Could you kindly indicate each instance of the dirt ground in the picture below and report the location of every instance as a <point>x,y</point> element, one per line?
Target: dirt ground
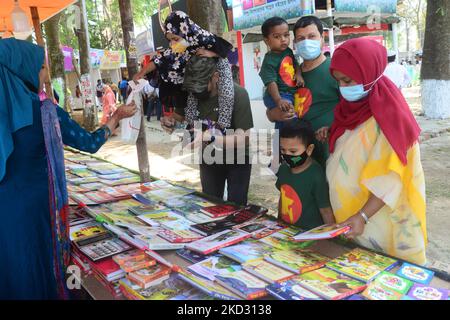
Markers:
<point>435,159</point>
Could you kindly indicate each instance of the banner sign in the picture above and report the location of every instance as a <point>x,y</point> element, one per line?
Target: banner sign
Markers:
<point>367,6</point>
<point>251,13</point>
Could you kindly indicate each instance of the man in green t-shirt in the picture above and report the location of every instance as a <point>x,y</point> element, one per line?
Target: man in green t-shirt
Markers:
<point>225,156</point>
<point>321,93</point>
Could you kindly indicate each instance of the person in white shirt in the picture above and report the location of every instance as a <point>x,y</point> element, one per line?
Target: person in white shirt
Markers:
<point>152,95</point>
<point>396,72</point>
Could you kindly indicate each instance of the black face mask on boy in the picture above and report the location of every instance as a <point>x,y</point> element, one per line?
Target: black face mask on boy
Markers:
<point>295,161</point>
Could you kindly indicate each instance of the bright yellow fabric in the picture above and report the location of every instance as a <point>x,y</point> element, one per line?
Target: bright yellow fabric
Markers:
<point>364,162</point>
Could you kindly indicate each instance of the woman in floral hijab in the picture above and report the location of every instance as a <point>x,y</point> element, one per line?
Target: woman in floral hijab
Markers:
<point>188,39</point>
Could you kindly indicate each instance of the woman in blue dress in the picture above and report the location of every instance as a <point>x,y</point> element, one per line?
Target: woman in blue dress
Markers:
<point>34,246</point>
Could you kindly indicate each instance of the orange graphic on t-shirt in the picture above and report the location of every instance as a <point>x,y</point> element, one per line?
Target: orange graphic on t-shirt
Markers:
<point>291,206</point>
<point>287,71</point>
<point>302,101</point>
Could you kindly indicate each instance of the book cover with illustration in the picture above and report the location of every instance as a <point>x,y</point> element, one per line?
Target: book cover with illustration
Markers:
<point>266,271</point>
<point>191,256</point>
<point>246,251</point>
<point>171,289</point>
<point>297,261</point>
<point>213,266</point>
<point>282,240</point>
<point>147,276</point>
<point>154,242</point>
<point>179,236</point>
<point>132,266</point>
<point>243,284</point>
<point>424,292</point>
<point>124,217</point>
<point>291,290</point>
<point>217,241</point>
<point>210,288</point>
<point>387,286</point>
<point>321,233</point>
<point>156,218</point>
<point>86,230</point>
<point>330,284</point>
<point>132,255</point>
<point>361,264</point>
<point>415,273</point>
<point>261,227</point>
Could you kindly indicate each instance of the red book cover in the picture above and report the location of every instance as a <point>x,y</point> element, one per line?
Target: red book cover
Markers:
<point>106,267</point>
<point>219,211</point>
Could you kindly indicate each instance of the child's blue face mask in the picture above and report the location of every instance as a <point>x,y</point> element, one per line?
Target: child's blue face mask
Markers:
<point>308,49</point>
<point>356,92</point>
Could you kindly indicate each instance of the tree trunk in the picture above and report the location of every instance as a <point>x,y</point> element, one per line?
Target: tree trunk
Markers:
<point>90,118</point>
<point>435,72</point>
<point>126,17</point>
<point>56,59</point>
<point>207,14</point>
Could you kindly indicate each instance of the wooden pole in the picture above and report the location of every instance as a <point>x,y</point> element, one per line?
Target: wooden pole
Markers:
<point>40,41</point>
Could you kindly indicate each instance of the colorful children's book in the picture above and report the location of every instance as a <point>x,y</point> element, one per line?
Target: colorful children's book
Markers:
<point>99,197</point>
<point>218,211</point>
<point>118,217</point>
<point>423,292</point>
<point>86,231</point>
<point>290,290</point>
<point>266,271</point>
<point>415,273</point>
<point>261,227</point>
<point>191,256</point>
<point>211,288</point>
<point>116,193</point>
<point>132,255</point>
<point>149,276</point>
<point>246,251</point>
<point>321,233</point>
<point>156,218</point>
<point>116,176</point>
<point>171,289</point>
<point>81,199</point>
<point>387,286</point>
<point>217,241</point>
<point>213,266</point>
<point>297,261</point>
<point>228,222</point>
<point>329,284</point>
<point>355,297</point>
<point>243,284</point>
<point>282,240</point>
<point>361,264</point>
<point>179,236</point>
<point>78,181</point>
<point>134,266</point>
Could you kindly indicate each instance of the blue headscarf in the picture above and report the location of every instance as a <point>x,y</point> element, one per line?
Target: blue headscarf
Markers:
<point>20,64</point>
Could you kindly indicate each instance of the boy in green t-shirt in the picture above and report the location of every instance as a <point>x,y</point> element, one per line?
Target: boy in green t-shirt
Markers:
<point>279,69</point>
<point>304,199</point>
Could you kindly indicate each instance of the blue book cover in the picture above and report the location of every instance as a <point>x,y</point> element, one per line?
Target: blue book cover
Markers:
<point>191,256</point>
<point>415,273</point>
<point>355,297</point>
<point>290,290</point>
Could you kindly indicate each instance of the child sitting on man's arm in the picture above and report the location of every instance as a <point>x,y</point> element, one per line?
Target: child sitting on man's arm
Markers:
<point>304,198</point>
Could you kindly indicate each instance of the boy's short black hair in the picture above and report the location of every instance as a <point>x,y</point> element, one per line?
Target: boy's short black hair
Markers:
<point>391,58</point>
<point>267,26</point>
<point>303,22</point>
<point>298,128</point>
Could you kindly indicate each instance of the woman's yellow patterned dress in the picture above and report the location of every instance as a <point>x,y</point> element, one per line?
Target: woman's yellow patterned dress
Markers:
<point>363,162</point>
